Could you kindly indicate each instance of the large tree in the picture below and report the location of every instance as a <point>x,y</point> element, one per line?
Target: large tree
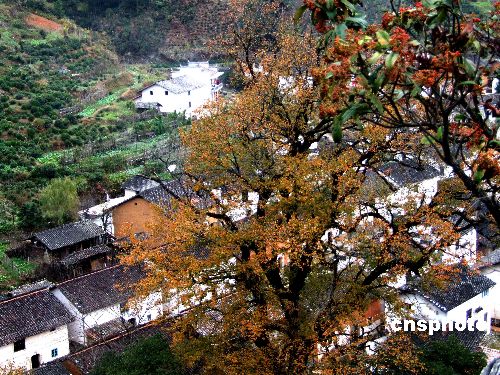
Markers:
<point>59,200</point>
<point>297,275</point>
<point>423,71</point>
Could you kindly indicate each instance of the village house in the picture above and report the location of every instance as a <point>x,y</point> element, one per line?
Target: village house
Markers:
<point>187,91</point>
<point>90,259</point>
<point>138,208</point>
<point>33,330</point>
<point>57,243</point>
<point>470,298</point>
<point>489,266</point>
<point>101,303</point>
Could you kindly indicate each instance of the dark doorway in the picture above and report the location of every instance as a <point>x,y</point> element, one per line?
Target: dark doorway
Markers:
<point>35,361</point>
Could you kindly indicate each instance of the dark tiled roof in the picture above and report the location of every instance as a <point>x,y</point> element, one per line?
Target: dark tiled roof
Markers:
<point>69,234</point>
<point>102,288</point>
<point>139,183</point>
<point>56,368</point>
<point>491,259</point>
<point>161,195</point>
<point>468,285</point>
<point>409,172</point>
<point>78,256</point>
<point>29,315</point>
<point>470,339</point>
<point>28,288</point>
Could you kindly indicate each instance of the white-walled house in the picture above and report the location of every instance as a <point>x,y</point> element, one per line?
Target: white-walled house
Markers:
<point>33,330</point>
<point>469,298</point>
<point>101,304</point>
<point>188,90</point>
<point>489,266</point>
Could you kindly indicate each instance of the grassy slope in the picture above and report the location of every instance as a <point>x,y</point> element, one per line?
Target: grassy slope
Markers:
<point>43,71</point>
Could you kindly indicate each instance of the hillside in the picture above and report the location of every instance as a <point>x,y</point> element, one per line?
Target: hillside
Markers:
<point>65,110</point>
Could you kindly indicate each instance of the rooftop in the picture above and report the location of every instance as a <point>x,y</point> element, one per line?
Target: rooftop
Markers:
<point>468,285</point>
<point>29,315</point>
<point>78,256</point>
<point>101,289</point>
<point>139,183</point>
<point>409,171</point>
<point>101,209</point>
<point>491,259</point>
<point>69,234</point>
<point>181,84</point>
<point>28,288</point>
<point>54,368</point>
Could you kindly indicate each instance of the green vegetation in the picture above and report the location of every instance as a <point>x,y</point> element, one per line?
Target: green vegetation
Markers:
<point>66,112</point>
<point>450,357</point>
<point>89,111</point>
<point>12,270</point>
<point>59,200</point>
<point>148,356</point>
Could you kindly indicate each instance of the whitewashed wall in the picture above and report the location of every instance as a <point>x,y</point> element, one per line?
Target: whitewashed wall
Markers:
<point>493,273</point>
<point>145,310</point>
<point>423,309</point>
<point>41,344</point>
<point>177,102</point>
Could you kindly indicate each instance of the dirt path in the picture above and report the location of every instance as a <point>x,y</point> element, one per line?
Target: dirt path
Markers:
<point>42,23</point>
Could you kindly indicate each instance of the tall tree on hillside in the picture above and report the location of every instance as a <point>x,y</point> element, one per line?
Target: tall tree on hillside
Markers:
<point>295,278</point>
<point>59,200</point>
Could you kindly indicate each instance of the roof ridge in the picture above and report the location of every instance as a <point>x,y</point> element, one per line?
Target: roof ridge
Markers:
<point>25,295</point>
<point>87,275</point>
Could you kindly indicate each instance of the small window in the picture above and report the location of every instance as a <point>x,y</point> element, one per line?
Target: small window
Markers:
<point>189,104</point>
<point>19,345</point>
<point>485,293</point>
<point>166,92</point>
<point>478,309</point>
<point>150,92</point>
<point>149,317</point>
<point>189,92</point>
<point>244,196</point>
<point>53,353</point>
<point>468,314</point>
<point>486,317</point>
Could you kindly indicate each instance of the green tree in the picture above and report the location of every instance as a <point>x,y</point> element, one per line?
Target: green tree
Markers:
<point>30,215</point>
<point>148,356</point>
<point>59,200</point>
<point>451,357</point>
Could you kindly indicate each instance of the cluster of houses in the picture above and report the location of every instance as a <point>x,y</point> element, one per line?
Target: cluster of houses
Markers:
<point>43,322</point>
<point>188,89</point>
<point>46,321</point>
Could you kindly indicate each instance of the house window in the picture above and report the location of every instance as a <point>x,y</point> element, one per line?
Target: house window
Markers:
<point>19,345</point>
<point>244,196</point>
<point>150,92</point>
<point>189,104</point>
<point>478,309</point>
<point>485,293</point>
<point>468,314</point>
<point>189,92</point>
<point>486,317</point>
<point>53,353</point>
<point>149,317</point>
<point>166,92</point>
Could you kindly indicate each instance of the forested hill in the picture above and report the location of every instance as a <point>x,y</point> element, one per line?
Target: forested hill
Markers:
<point>145,29</point>
<point>170,29</point>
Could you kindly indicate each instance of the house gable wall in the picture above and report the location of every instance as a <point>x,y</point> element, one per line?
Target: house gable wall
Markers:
<point>133,216</point>
<point>41,344</point>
